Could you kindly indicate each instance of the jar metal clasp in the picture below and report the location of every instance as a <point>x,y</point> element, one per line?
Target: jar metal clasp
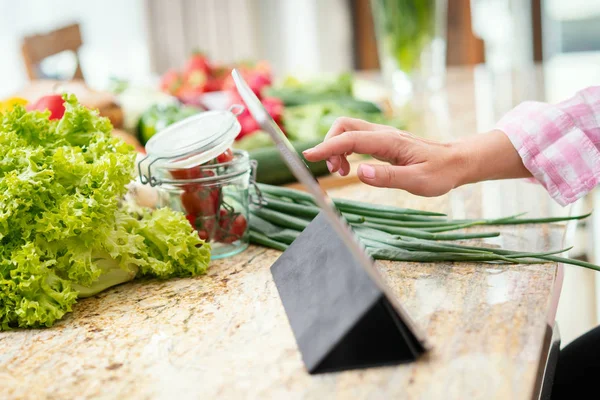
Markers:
<point>257,198</point>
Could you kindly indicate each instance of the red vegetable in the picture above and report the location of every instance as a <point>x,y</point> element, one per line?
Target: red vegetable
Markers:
<point>232,226</point>
<point>53,103</point>
<point>274,107</point>
<point>248,123</point>
<point>197,62</point>
<point>202,201</point>
<point>216,80</point>
<point>206,227</point>
<point>196,82</point>
<point>191,219</point>
<point>171,81</point>
<point>256,82</point>
<point>191,173</point>
<point>225,156</point>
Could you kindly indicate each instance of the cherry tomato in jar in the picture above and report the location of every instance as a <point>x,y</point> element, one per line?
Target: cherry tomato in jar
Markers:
<point>191,173</point>
<point>225,156</point>
<point>232,226</point>
<point>206,227</point>
<point>202,201</point>
<point>191,219</point>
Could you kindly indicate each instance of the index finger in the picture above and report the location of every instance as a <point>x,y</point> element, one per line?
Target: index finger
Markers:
<point>347,124</point>
<point>372,143</point>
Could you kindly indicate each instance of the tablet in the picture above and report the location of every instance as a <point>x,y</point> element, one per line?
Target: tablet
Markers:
<point>328,209</point>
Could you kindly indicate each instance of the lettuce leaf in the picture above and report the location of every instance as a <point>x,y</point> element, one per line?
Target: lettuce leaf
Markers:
<point>63,231</point>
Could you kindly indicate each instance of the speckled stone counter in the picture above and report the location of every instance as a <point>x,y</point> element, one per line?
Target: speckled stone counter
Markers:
<point>225,335</point>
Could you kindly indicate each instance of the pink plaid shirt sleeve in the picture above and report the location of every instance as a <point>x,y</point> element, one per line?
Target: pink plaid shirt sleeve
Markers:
<point>560,143</point>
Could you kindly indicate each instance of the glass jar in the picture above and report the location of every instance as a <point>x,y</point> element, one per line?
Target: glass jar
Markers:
<point>195,171</point>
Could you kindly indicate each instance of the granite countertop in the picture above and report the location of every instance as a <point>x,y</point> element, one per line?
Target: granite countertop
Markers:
<point>226,335</point>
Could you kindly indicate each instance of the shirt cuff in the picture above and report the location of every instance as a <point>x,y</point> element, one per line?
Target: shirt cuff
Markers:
<point>558,153</point>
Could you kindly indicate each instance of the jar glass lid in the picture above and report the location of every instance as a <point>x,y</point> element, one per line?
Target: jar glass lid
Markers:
<point>189,143</point>
<point>198,134</point>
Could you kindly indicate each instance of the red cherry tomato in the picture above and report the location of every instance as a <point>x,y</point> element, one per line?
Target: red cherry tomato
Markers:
<point>225,156</point>
<point>232,226</point>
<point>191,173</point>
<point>202,202</point>
<point>189,202</point>
<point>238,228</point>
<point>191,219</point>
<point>207,227</point>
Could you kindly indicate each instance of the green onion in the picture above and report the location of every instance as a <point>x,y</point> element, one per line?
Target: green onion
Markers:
<point>394,233</point>
<point>280,219</point>
<point>277,233</point>
<point>260,239</point>
<point>303,210</point>
<point>350,206</point>
<point>421,234</point>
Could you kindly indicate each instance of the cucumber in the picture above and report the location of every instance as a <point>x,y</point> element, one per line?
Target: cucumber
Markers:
<point>292,98</point>
<point>272,169</point>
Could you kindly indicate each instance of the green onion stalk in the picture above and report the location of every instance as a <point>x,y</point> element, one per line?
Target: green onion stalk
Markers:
<point>397,234</point>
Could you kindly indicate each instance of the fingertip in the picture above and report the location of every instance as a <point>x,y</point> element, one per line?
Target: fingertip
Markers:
<point>335,163</point>
<point>366,171</point>
<point>310,154</point>
<point>344,167</point>
<point>329,166</point>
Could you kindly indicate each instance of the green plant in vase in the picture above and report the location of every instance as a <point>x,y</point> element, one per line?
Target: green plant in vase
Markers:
<point>406,35</point>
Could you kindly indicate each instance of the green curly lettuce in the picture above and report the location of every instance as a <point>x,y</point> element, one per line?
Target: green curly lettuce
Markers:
<point>63,232</point>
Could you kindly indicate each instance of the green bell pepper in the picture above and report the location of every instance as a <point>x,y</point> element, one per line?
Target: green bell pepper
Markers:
<point>159,116</point>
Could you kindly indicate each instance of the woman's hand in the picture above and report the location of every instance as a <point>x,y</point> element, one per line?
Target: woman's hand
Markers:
<point>419,166</point>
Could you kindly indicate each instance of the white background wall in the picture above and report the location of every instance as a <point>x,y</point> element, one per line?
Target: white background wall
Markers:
<point>120,39</point>
<point>113,31</point>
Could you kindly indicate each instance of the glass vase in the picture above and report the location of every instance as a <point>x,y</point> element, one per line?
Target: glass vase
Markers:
<point>411,41</point>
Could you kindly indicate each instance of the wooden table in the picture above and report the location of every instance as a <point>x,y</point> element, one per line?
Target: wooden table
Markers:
<point>226,336</point>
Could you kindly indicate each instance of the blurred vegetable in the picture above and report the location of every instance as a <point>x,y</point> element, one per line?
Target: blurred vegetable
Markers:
<point>159,116</point>
<point>273,106</point>
<point>295,92</point>
<point>200,76</point>
<point>9,104</point>
<point>196,62</point>
<point>135,100</point>
<point>312,121</point>
<point>256,140</point>
<point>53,103</point>
<point>257,75</point>
<point>273,170</point>
<point>171,82</point>
<point>338,86</point>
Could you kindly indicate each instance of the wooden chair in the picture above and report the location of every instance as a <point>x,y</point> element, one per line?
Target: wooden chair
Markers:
<point>38,47</point>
